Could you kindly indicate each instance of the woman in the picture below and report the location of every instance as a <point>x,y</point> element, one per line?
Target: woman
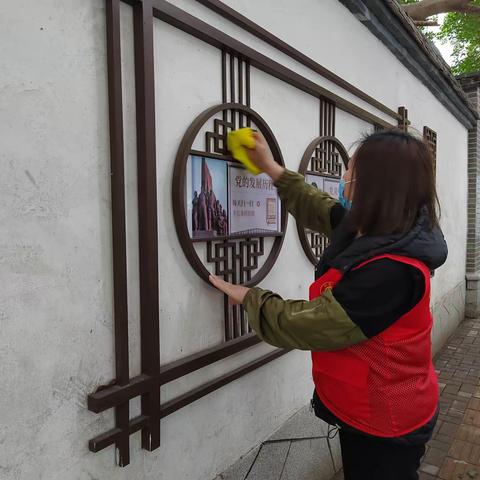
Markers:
<point>368,319</point>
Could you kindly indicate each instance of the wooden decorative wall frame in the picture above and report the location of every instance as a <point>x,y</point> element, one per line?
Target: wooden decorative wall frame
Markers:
<point>235,109</point>
<point>430,137</point>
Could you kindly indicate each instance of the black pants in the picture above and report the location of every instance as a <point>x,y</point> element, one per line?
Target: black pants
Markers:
<point>366,458</point>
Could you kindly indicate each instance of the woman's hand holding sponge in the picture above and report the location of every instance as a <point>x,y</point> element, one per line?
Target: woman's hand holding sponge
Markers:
<point>237,142</point>
<point>251,149</point>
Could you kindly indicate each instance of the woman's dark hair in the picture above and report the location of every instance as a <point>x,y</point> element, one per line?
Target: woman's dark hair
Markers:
<point>394,180</point>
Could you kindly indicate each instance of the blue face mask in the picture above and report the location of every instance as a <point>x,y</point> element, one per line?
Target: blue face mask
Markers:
<point>347,204</point>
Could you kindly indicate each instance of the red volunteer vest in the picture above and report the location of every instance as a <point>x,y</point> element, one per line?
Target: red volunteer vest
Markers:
<point>385,386</point>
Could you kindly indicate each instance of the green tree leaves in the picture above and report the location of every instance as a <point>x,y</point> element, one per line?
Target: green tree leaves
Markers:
<point>462,31</point>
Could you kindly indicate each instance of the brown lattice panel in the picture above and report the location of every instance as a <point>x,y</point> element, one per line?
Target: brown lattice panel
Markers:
<point>403,121</point>
<point>430,137</point>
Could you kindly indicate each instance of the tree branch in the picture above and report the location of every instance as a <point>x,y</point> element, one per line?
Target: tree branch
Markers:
<point>420,11</point>
<point>426,23</point>
<point>473,9</point>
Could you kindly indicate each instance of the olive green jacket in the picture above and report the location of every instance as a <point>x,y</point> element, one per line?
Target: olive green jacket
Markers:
<point>321,324</point>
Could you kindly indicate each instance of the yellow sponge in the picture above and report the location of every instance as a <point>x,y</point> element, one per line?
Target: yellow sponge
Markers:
<point>237,141</point>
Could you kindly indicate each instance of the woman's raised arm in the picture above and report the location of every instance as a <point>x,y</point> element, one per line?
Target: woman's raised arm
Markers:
<point>310,207</point>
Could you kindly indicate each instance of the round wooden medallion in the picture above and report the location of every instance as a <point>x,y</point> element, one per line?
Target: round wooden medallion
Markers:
<point>234,257</point>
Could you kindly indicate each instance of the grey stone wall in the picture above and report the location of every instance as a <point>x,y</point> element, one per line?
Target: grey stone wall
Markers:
<point>471,85</point>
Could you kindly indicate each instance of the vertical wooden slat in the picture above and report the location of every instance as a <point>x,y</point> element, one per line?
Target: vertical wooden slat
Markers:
<point>240,80</point>
<point>236,275</point>
<point>240,89</point>
<point>247,89</point>
<point>321,117</point>
<point>247,82</point>
<point>244,276</point>
<point>224,85</point>
<point>230,277</point>
<point>147,216</point>
<point>120,302</point>
<point>403,122</point>
<point>232,78</point>
<point>232,89</point>
<point>329,117</point>
<point>224,77</point>
<point>332,110</point>
<point>326,126</point>
<point>430,137</point>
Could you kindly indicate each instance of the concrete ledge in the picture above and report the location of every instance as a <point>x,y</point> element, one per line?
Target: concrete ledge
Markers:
<point>298,450</point>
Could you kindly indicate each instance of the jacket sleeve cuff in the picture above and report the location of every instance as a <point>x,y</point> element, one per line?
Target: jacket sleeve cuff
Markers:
<point>286,180</point>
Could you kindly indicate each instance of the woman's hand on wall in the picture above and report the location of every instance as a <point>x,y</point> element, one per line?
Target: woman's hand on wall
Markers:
<point>262,157</point>
<point>236,293</point>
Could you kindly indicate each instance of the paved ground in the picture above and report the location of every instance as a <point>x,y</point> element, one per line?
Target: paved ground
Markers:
<point>454,451</point>
<point>298,450</point>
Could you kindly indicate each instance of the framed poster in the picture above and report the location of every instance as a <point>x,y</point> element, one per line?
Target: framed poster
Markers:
<point>224,199</point>
<point>326,184</point>
<point>330,185</point>
<point>207,197</point>
<point>315,181</point>
<point>254,206</point>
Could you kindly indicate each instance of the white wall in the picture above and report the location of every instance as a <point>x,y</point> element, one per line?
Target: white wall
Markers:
<point>56,302</point>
